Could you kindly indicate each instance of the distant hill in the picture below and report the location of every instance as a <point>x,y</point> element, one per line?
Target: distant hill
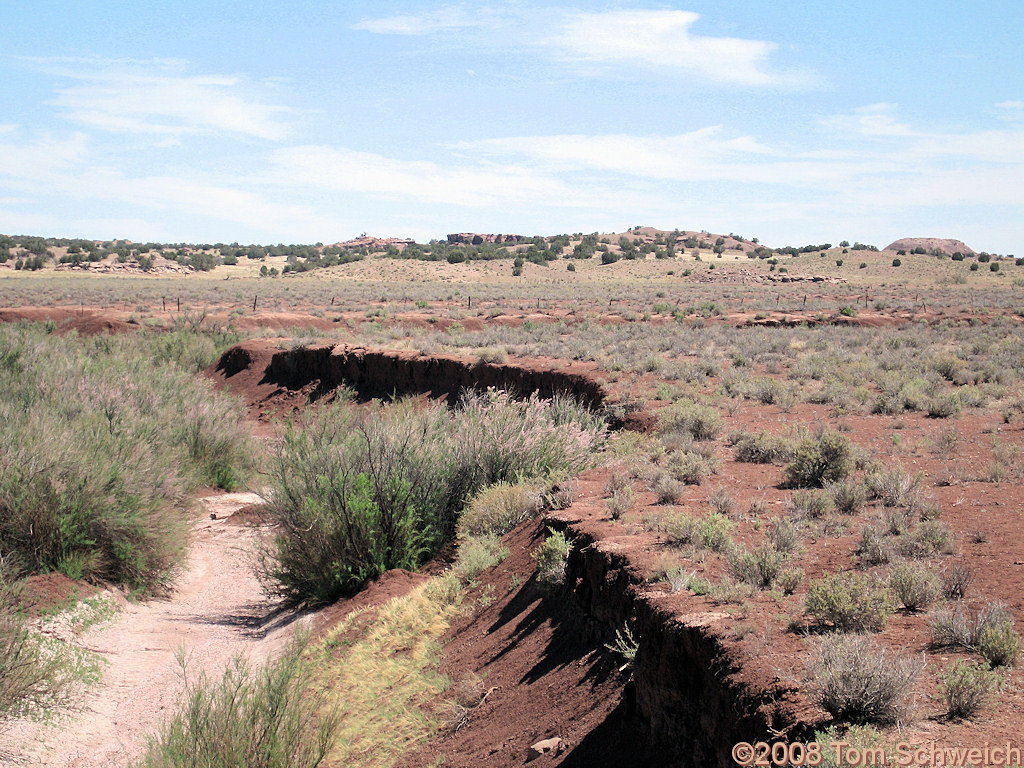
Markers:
<point>930,245</point>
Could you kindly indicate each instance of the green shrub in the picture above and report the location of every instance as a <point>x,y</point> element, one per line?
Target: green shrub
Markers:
<point>805,505</point>
<point>499,508</point>
<point>944,406</point>
<point>849,602</point>
<point>357,492</point>
<point>550,558</point>
<point>857,680</point>
<point>102,439</point>
<point>269,717</point>
<point>689,467</point>
<point>968,688</point>
<point>827,458</point>
<point>710,532</point>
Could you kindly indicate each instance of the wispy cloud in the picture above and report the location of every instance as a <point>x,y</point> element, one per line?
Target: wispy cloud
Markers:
<point>473,184</point>
<point>443,19</point>
<point>663,39</point>
<point>871,120</point>
<point>160,97</point>
<point>606,43</point>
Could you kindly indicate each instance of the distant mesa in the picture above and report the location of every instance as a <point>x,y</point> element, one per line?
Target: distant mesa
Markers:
<point>947,245</point>
<point>472,238</point>
<point>376,243</point>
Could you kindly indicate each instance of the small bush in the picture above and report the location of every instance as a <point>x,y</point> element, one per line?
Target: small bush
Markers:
<point>944,406</point>
<point>689,467</point>
<point>759,568</point>
<point>927,539</point>
<point>550,558</point>
<point>809,505</point>
<point>914,584</point>
<point>827,458</point>
<point>621,501</point>
<point>789,580</point>
<point>859,681</point>
<point>763,448</point>
<point>700,421</point>
<point>956,581</point>
<point>848,495</point>
<point>476,555</point>
<point>895,488</point>
<point>499,508</point>
<point>968,688</point>
<point>849,602</point>
<point>784,535</point>
<point>710,532</point>
<point>874,548</point>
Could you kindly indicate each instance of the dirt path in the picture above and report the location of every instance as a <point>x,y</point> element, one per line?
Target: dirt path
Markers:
<point>216,611</point>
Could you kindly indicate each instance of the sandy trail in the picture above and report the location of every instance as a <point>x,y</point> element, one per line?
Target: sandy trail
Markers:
<point>215,612</point>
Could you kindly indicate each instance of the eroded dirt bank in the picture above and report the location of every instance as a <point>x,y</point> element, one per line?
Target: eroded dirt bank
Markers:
<point>274,381</point>
<point>215,611</point>
<point>545,664</point>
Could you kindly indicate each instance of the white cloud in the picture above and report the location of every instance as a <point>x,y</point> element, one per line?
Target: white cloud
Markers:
<point>475,185</point>
<point>159,97</point>
<point>663,40</point>
<point>442,20</point>
<point>871,120</point>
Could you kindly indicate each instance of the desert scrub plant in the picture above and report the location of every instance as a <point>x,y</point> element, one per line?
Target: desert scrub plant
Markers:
<point>476,555</point>
<point>759,568</point>
<point>621,501</point>
<point>848,495</point>
<point>857,680</point>
<point>357,492</point>
<point>762,448</point>
<point>826,458</point>
<point>849,602</point>
<point>915,585</point>
<point>956,581</point>
<point>700,421</point>
<point>551,557</point>
<point>709,532</point>
<point>270,717</point>
<point>99,450</point>
<point>689,468</point>
<point>988,631</point>
<point>968,688</point>
<point>895,488</point>
<point>497,509</point>
<point>808,505</point>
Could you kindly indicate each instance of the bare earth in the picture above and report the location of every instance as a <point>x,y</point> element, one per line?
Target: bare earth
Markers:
<point>215,612</point>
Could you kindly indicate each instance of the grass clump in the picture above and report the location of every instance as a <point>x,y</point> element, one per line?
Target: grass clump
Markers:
<point>827,458</point>
<point>968,688</point>
<point>499,508</point>
<point>849,602</point>
<point>256,718</point>
<point>708,532</point>
<point>857,680</point>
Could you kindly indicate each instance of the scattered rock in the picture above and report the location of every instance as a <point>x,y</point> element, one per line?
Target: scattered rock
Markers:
<point>552,746</point>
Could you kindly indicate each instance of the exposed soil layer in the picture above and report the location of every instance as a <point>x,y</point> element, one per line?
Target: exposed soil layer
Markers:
<point>274,381</point>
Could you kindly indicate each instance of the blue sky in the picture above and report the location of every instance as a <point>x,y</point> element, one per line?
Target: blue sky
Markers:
<point>795,122</point>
